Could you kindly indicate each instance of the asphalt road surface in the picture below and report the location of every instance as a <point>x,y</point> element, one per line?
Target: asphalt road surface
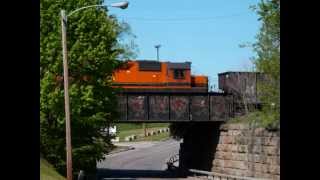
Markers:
<point>146,161</point>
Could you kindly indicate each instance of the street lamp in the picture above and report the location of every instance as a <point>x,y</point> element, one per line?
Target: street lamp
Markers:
<point>122,5</point>
<point>157,47</point>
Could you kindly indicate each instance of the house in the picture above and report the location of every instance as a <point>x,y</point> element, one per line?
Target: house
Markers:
<point>111,130</point>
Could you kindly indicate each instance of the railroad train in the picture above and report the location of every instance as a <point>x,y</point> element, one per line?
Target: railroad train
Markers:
<point>156,76</point>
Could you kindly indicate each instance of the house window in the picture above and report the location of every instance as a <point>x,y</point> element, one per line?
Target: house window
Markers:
<point>178,73</point>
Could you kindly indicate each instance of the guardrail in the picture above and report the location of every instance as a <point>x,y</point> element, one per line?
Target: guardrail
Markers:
<point>225,176</point>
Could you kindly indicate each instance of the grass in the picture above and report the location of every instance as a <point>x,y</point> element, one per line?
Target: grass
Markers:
<point>47,171</point>
<point>125,129</point>
<point>123,134</point>
<point>259,118</point>
<point>133,126</point>
<point>248,118</point>
<point>158,137</point>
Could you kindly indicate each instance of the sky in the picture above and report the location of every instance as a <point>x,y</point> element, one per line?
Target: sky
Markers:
<point>206,32</point>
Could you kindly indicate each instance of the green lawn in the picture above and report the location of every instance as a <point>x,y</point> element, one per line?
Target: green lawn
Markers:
<point>131,126</point>
<point>158,137</point>
<point>47,172</point>
<point>127,129</point>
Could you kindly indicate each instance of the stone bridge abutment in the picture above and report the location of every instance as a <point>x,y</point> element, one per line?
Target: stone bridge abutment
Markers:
<point>232,149</point>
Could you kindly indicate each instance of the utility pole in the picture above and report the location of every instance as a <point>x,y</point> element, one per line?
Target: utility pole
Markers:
<point>121,5</point>
<point>66,93</point>
<point>157,47</point>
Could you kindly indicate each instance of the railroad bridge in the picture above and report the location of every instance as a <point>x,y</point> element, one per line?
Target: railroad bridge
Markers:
<point>169,107</point>
<point>154,105</point>
<point>198,148</point>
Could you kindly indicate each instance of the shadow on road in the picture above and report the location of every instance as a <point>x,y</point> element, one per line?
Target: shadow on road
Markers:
<point>133,174</point>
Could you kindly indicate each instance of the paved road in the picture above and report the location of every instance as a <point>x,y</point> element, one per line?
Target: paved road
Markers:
<point>146,161</point>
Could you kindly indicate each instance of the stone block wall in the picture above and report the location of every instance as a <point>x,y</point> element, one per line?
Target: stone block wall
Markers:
<point>247,151</point>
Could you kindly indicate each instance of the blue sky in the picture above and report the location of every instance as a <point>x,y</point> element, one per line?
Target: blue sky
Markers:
<point>205,32</point>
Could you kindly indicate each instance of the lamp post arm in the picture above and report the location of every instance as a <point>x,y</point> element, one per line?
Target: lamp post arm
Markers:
<point>85,8</point>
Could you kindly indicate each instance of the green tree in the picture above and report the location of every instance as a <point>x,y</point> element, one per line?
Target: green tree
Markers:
<point>267,60</point>
<point>96,41</point>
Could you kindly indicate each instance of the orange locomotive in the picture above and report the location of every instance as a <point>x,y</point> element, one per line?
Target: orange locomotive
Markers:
<point>158,76</point>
